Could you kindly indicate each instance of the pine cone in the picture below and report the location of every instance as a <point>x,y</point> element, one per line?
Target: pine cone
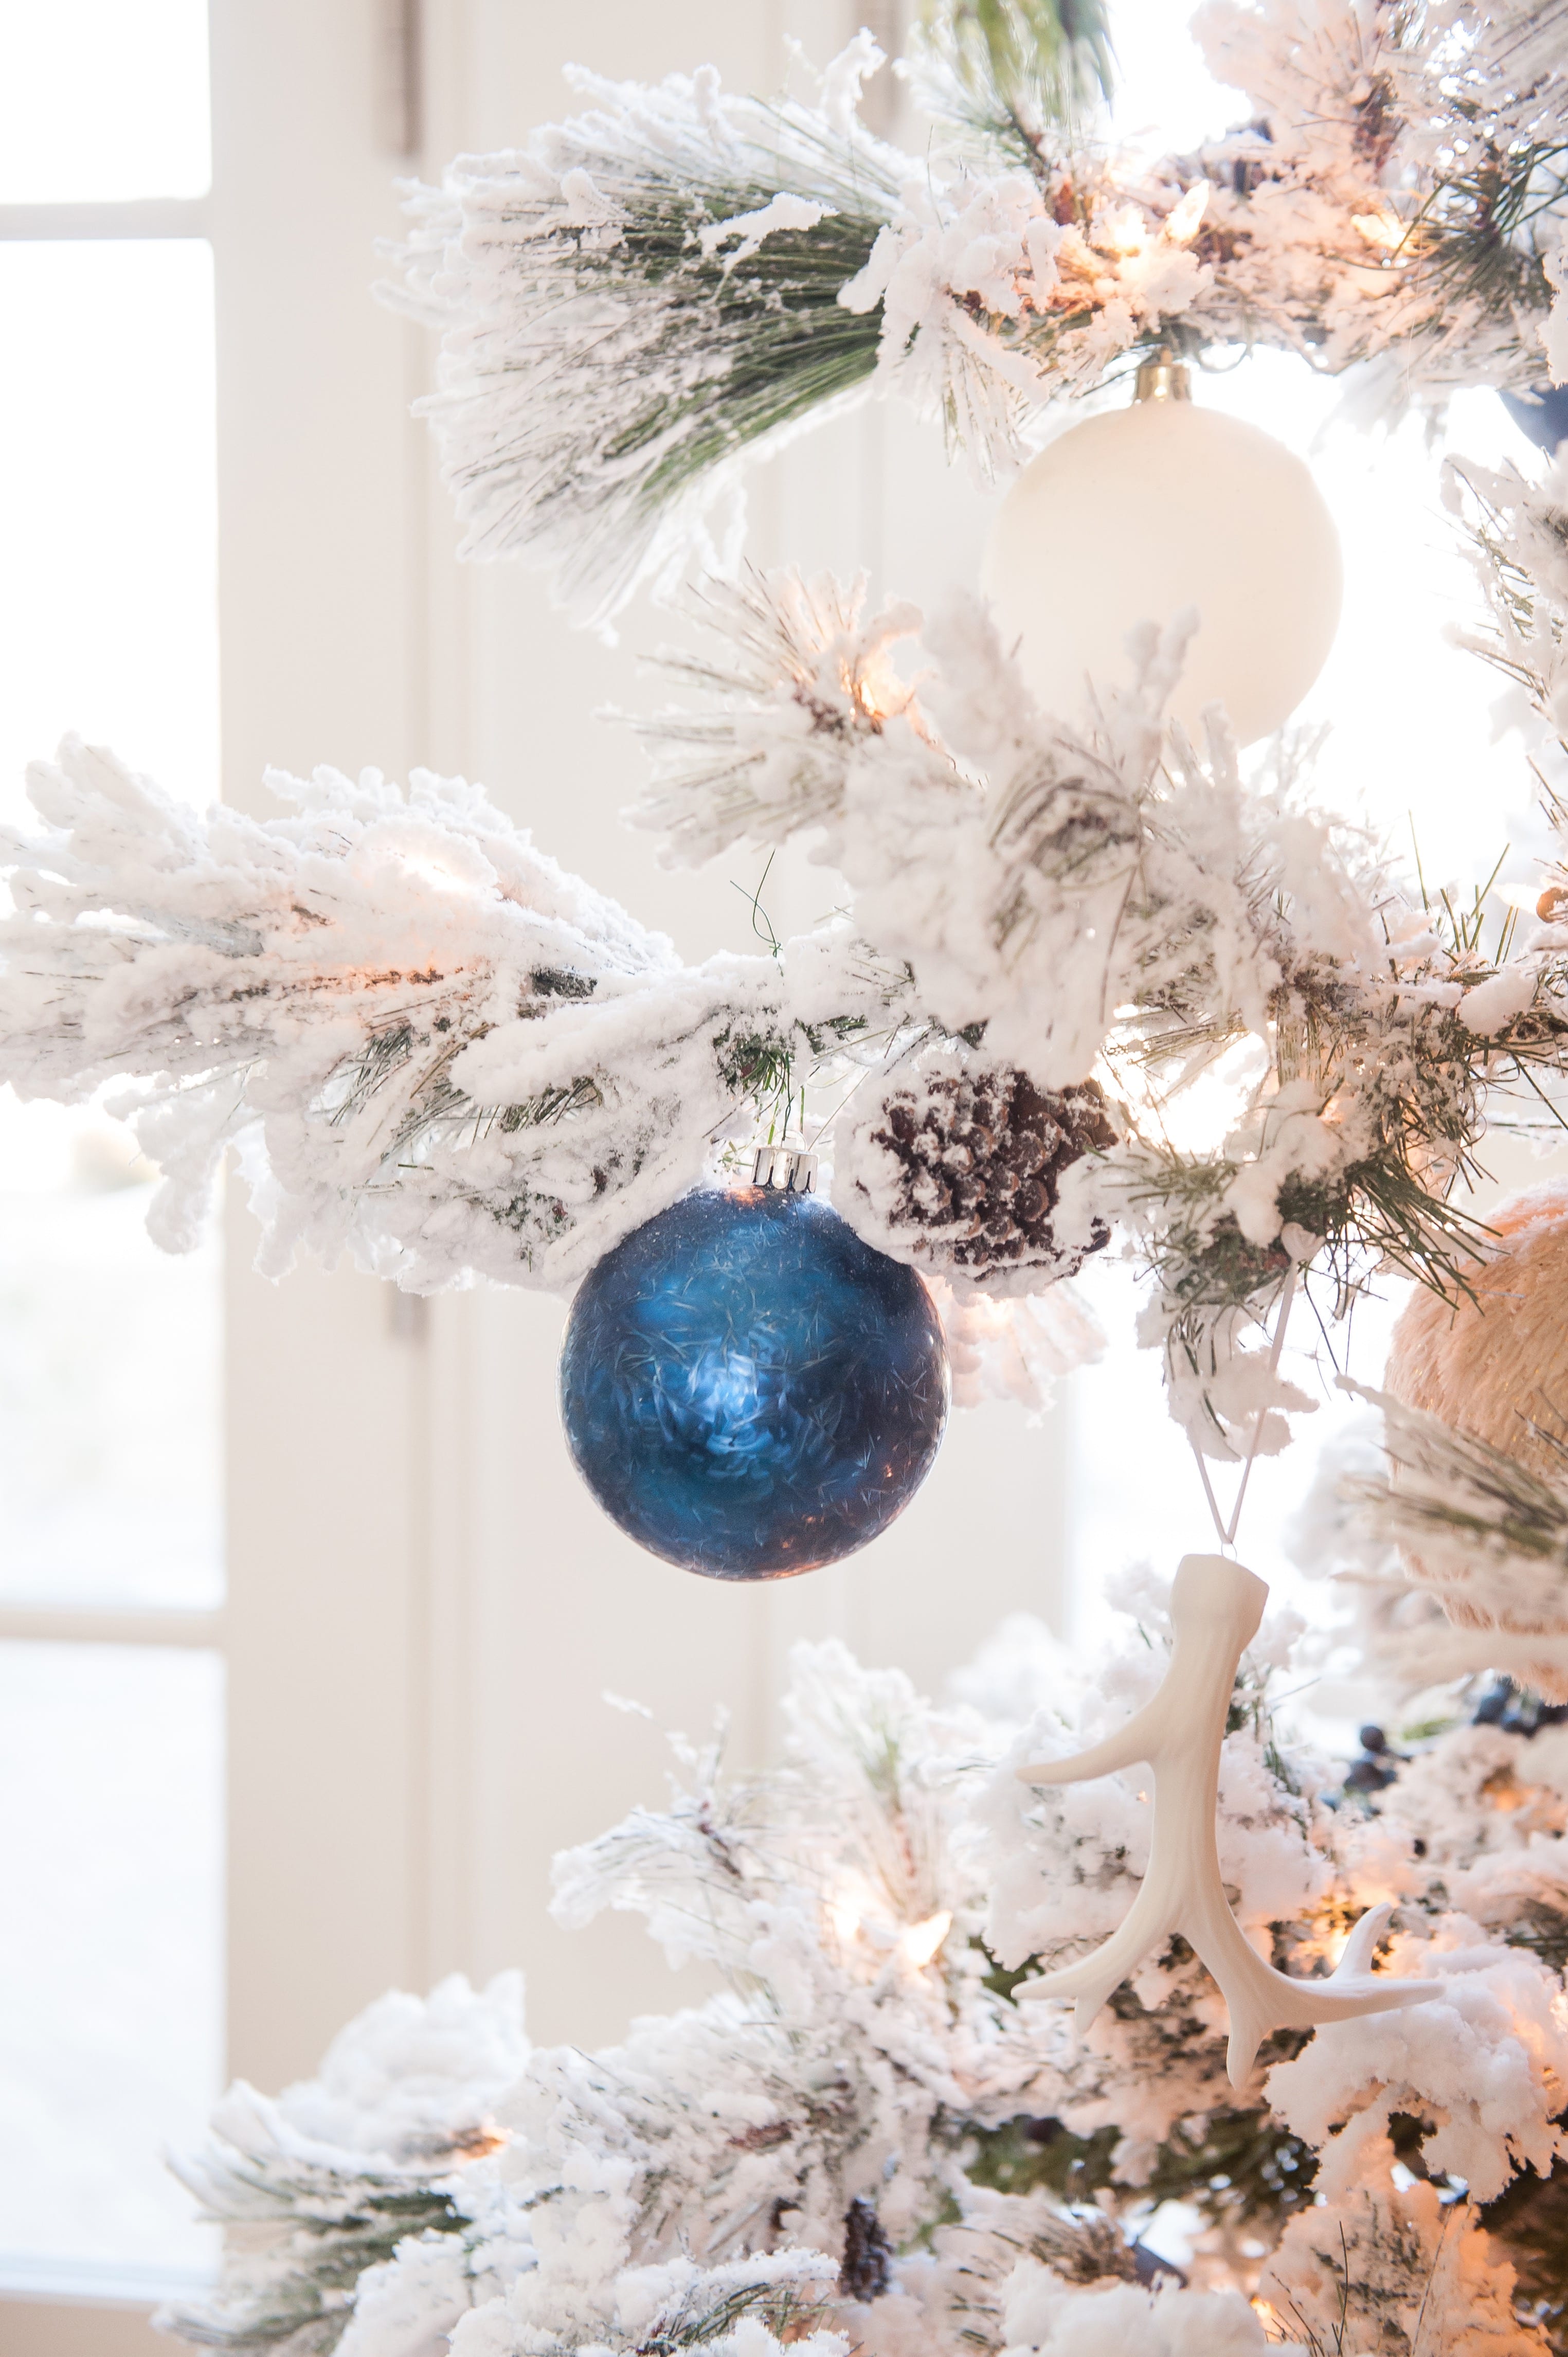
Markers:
<point>959,1169</point>
<point>866,2272</point>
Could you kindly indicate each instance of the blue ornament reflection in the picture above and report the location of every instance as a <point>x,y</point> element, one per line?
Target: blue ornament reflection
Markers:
<point>749,1390</point>
<point>1543,413</point>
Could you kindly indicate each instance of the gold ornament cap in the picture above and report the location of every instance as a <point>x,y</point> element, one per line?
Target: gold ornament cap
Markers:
<point>1162,377</point>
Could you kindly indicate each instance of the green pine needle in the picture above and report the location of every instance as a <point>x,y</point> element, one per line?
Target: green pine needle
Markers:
<point>1026,55</point>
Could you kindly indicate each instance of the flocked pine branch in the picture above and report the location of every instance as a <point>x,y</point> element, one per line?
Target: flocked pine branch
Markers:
<point>877,2132</point>
<point>1518,533</point>
<point>435,1048</point>
<point>324,2183</point>
<point>633,300</point>
<point>335,2218</point>
<point>1017,74</point>
<point>1482,1532</point>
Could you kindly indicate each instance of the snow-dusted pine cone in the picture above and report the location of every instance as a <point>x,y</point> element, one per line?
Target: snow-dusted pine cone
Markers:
<point>958,1168</point>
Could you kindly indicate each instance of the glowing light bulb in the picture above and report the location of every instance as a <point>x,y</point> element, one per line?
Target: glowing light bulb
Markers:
<point>1182,223</point>
<point>425,869</point>
<point>1383,228</point>
<point>921,1941</point>
<point>844,1917</point>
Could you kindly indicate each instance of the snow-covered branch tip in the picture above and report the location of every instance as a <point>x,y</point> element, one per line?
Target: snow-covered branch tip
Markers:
<point>430,1045</point>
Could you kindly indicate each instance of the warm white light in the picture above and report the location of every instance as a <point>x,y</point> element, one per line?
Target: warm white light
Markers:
<point>921,1941</point>
<point>1125,232</point>
<point>844,1917</point>
<point>433,871</point>
<point>1383,228</point>
<point>1181,223</point>
<point>1135,515</point>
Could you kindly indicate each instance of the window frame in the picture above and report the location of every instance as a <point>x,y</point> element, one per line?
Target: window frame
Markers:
<point>67,2312</point>
<point>321,1577</point>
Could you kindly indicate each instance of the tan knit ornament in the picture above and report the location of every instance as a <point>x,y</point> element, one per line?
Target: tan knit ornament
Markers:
<point>1497,1367</point>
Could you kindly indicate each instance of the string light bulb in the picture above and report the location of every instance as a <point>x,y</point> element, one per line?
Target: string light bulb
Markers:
<point>844,1914</point>
<point>921,1941</point>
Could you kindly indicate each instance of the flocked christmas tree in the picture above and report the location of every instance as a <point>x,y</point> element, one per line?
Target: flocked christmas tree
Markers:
<point>998,1976</point>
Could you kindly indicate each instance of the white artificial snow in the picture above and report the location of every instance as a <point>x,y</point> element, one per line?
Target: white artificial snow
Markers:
<point>395,1007</point>
<point>409,2070</point>
<point>738,238</point>
<point>1045,2315</point>
<point>675,2188</point>
<point>1492,1005</point>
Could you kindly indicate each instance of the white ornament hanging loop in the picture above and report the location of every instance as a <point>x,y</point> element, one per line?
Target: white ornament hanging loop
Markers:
<point>1216,1607</point>
<point>1226,1530</point>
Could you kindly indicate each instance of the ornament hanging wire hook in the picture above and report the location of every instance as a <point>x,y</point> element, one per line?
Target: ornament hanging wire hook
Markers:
<point>1227,1531</point>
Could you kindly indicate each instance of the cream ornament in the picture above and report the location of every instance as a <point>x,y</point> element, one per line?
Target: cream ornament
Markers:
<point>1142,511</point>
<point>1216,1607</point>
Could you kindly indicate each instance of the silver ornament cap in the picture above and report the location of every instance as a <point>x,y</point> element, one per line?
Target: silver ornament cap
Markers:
<point>784,1166</point>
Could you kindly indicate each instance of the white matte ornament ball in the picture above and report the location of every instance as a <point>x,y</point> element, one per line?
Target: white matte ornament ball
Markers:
<point>1133,515</point>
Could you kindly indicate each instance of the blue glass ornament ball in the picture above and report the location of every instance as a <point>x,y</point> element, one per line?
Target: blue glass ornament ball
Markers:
<point>749,1390</point>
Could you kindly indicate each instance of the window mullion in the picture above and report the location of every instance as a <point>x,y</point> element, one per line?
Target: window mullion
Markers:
<point>31,1624</point>
<point>159,217</point>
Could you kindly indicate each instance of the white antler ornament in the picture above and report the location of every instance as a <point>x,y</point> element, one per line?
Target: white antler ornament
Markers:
<point>1216,1607</point>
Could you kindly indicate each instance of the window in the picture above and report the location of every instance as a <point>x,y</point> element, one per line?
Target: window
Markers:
<point>104,104</point>
<point>111,1594</point>
<point>235,1573</point>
